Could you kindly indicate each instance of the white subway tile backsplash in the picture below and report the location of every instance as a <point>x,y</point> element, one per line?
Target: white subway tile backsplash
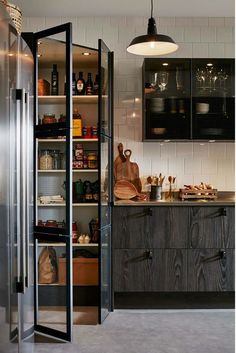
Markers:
<point>192,166</point>
<point>230,21</point>
<point>160,166</point>
<point>208,34</point>
<point>209,166</point>
<point>200,150</point>
<point>185,50</point>
<point>184,149</point>
<point>217,150</point>
<point>216,21</point>
<point>167,21</point>
<point>176,166</point>
<point>168,149</point>
<point>230,150</point>
<point>200,50</point>
<point>152,150</point>
<point>183,21</point>
<point>177,33</point>
<point>224,34</point>
<point>200,21</point>
<point>216,50</point>
<point>192,34</point>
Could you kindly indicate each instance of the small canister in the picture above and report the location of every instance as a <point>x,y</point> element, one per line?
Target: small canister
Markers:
<point>92,161</point>
<point>79,152</point>
<point>49,119</point>
<point>155,193</point>
<point>74,232</point>
<point>94,132</point>
<point>51,223</point>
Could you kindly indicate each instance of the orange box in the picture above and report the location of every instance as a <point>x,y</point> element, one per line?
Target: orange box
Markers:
<point>85,271</point>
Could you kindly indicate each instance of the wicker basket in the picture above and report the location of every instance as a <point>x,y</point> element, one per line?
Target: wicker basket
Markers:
<point>15,13</point>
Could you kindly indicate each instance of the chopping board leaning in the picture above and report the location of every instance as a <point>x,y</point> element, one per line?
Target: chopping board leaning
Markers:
<point>124,169</point>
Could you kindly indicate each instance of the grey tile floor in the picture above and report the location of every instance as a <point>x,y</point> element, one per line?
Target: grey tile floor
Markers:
<point>153,331</point>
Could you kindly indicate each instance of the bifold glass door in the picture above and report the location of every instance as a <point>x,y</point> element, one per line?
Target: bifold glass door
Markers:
<point>53,195</point>
<point>105,126</point>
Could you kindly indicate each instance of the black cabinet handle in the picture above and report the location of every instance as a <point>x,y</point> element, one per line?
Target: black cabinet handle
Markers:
<point>149,255</point>
<point>223,212</point>
<point>149,211</point>
<point>222,254</point>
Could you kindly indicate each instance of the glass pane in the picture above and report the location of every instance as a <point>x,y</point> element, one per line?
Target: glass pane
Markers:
<point>105,272</point>
<point>51,82</point>
<point>213,98</point>
<point>104,90</point>
<point>167,98</point>
<point>51,288</point>
<point>105,181</point>
<point>51,181</point>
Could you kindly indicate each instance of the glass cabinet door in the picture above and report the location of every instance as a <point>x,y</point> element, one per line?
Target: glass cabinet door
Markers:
<point>213,99</point>
<point>53,191</point>
<point>167,103</point>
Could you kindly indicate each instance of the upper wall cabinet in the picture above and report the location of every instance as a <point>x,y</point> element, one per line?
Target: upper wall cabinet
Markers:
<point>188,99</point>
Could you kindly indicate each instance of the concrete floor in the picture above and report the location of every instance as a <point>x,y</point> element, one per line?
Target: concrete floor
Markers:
<point>153,331</point>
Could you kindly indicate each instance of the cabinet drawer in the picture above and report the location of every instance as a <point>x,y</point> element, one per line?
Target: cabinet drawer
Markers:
<point>150,270</point>
<point>210,270</point>
<point>212,227</point>
<point>145,227</point>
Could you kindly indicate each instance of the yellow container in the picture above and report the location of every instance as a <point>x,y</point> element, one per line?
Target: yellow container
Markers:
<point>77,125</point>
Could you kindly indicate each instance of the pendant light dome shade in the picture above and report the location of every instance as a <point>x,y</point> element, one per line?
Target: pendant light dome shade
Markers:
<point>152,43</point>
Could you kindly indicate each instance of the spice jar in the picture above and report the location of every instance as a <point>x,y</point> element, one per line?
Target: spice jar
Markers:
<point>92,161</point>
<point>45,160</point>
<point>51,223</point>
<point>49,119</point>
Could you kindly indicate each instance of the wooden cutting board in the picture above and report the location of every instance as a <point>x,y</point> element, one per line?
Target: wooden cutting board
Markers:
<point>124,169</point>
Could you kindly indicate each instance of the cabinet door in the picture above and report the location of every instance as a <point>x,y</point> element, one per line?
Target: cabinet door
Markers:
<point>213,112</point>
<point>212,227</point>
<point>169,227</point>
<point>166,92</point>
<point>54,46</point>
<point>145,270</point>
<point>210,270</point>
<point>131,227</point>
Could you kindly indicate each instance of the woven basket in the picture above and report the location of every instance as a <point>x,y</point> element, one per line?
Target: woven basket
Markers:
<point>15,13</point>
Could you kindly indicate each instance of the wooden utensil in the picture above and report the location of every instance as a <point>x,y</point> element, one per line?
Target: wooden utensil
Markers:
<point>132,171</point>
<point>125,190</point>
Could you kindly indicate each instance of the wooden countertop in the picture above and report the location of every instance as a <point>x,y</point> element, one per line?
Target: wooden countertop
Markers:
<point>224,198</point>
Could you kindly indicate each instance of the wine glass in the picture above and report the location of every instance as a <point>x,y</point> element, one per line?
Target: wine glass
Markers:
<point>162,79</point>
<point>153,79</point>
<point>222,77</point>
<point>179,78</point>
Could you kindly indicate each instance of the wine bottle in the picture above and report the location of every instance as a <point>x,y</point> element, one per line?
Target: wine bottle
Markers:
<point>80,85</point>
<point>74,89</point>
<point>54,81</point>
<point>96,85</point>
<point>89,85</point>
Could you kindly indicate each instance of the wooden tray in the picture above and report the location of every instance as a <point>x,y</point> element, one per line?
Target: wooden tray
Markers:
<point>187,194</point>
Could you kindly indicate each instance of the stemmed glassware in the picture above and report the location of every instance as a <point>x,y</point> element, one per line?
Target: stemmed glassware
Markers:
<point>222,76</point>
<point>162,80</point>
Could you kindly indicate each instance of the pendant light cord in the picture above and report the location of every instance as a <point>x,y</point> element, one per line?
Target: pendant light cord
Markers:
<point>151,8</point>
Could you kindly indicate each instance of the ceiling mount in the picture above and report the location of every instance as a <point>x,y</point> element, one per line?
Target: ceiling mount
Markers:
<point>152,43</point>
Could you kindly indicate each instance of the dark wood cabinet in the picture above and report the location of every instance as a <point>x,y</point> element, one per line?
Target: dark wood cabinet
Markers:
<point>168,248</point>
<point>150,270</point>
<point>211,227</point>
<point>188,99</point>
<point>210,270</point>
<point>156,227</point>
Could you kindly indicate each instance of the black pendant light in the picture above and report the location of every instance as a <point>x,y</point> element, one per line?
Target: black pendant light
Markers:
<point>152,43</point>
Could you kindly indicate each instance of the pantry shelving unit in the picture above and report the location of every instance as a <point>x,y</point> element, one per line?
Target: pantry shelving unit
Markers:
<point>54,46</point>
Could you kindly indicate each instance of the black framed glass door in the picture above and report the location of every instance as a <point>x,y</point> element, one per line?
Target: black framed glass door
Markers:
<point>105,127</point>
<point>53,179</point>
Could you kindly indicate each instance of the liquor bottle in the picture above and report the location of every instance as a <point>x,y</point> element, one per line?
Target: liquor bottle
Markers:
<point>96,86</point>
<point>54,81</point>
<point>89,85</point>
<point>80,85</point>
<point>77,124</point>
<point>74,89</point>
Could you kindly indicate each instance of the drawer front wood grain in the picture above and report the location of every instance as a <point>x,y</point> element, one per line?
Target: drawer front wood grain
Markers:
<point>166,271</point>
<point>209,271</point>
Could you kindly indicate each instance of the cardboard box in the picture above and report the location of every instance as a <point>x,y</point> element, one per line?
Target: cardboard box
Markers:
<point>85,271</point>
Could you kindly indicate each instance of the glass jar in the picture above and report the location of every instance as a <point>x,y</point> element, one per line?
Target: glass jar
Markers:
<point>49,119</point>
<point>45,160</point>
<point>56,160</point>
<point>63,160</point>
<point>92,161</point>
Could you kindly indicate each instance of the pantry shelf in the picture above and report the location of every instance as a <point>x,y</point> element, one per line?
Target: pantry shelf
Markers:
<point>73,244</point>
<point>62,99</point>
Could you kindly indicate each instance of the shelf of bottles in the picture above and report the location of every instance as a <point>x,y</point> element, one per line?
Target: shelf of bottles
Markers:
<point>167,98</point>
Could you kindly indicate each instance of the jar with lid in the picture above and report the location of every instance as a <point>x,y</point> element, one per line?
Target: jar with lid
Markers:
<point>51,223</point>
<point>45,160</point>
<point>49,119</point>
<point>56,160</point>
<point>92,161</point>
<point>63,160</point>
